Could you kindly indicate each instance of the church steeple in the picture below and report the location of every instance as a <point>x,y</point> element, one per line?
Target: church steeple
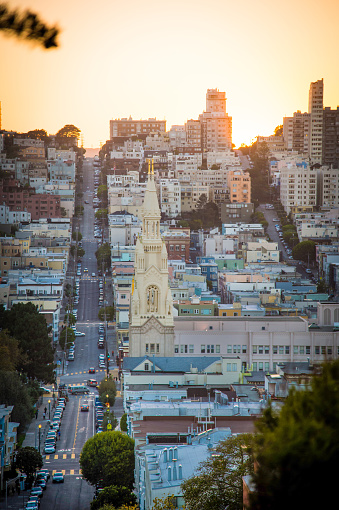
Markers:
<point>151,317</point>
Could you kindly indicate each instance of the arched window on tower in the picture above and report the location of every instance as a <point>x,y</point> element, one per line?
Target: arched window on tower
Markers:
<point>152,295</point>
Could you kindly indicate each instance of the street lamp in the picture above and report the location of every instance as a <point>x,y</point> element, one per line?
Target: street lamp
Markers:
<point>107,404</point>
<point>49,410</point>
<point>39,435</point>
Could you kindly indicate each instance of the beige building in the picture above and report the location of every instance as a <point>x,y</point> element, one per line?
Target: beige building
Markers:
<point>151,317</point>
<point>298,185</point>
<point>216,125</point>
<point>316,111</point>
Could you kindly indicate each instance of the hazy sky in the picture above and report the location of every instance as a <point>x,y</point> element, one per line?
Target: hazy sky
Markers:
<point>157,59</point>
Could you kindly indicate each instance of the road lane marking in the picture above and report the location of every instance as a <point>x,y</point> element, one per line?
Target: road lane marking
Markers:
<point>73,456</point>
<point>47,457</point>
<point>64,456</point>
<point>56,457</point>
<point>76,425</point>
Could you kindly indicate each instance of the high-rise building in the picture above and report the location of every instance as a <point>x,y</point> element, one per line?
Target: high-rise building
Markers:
<point>315,109</point>
<point>151,319</point>
<point>216,125</point>
<point>331,137</point>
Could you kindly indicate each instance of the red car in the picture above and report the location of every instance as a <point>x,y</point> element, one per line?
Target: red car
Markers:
<point>91,370</point>
<point>92,382</point>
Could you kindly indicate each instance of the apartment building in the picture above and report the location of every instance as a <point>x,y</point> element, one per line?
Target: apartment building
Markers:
<point>298,185</point>
<point>239,184</point>
<point>216,125</point>
<point>190,195</point>
<point>328,187</point>
<point>128,127</point>
<point>315,109</point>
<point>193,133</point>
<point>177,136</point>
<point>331,137</point>
<point>170,197</point>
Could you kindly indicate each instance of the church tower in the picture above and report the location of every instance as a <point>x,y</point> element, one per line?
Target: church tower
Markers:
<point>151,330</point>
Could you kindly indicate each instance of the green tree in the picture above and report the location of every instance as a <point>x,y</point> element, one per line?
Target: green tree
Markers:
<point>218,482</point>
<point>298,447</point>
<point>29,327</point>
<point>13,392</point>
<point>78,251</point>
<point>108,458</point>
<point>202,201</point>
<point>279,130</point>
<point>102,190</point>
<point>9,352</point>
<point>28,460</point>
<point>305,251</point>
<point>38,134</point>
<point>165,503</point>
<point>109,418</point>
<point>183,223</point>
<point>76,236</point>
<point>101,213</point>
<point>69,131</point>
<point>107,387</point>
<point>28,26</point>
<point>123,422</point>
<point>70,338</point>
<point>114,495</point>
<point>109,313</point>
<point>103,256</point>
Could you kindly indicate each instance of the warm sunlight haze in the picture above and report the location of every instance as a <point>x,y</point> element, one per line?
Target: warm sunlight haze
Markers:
<point>156,59</point>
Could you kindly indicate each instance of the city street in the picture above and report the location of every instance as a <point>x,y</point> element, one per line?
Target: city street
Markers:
<point>77,426</point>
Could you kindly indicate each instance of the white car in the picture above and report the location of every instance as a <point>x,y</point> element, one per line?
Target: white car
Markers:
<point>79,333</point>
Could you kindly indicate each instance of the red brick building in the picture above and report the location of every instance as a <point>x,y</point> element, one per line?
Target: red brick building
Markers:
<point>40,205</point>
<point>177,240</point>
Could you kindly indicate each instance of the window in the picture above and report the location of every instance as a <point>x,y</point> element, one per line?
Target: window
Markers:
<point>158,348</point>
<point>329,350</point>
<point>275,349</point>
<point>202,350</point>
<point>267,366</point>
<point>244,349</point>
<point>217,349</point>
<point>191,348</point>
<point>267,349</point>
<point>261,366</point>
<point>287,349</point>
<point>301,349</point>
<point>229,349</point>
<point>196,311</point>
<point>295,349</point>
<point>146,367</point>
<point>281,349</point>
<point>234,367</point>
<point>176,349</point>
<point>317,349</point>
<point>255,367</point>
<point>152,348</point>
<point>323,349</point>
<point>255,350</point>
<point>261,349</point>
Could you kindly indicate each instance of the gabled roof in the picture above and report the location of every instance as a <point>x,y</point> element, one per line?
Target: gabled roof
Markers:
<point>175,364</point>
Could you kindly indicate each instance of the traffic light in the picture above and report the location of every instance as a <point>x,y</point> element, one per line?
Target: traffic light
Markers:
<point>108,356</point>
<point>107,405</point>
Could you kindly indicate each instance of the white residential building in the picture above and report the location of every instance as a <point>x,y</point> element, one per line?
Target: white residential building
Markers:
<point>316,110</point>
<point>298,185</point>
<point>170,197</point>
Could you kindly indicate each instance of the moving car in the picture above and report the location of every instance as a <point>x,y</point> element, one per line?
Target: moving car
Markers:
<point>92,382</point>
<point>79,333</point>
<point>84,406</point>
<point>91,370</point>
<point>58,477</point>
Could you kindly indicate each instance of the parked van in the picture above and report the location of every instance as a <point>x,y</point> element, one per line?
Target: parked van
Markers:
<point>77,390</point>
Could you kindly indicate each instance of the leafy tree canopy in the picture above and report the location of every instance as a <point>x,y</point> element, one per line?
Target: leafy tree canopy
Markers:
<point>28,26</point>
<point>38,134</point>
<point>103,256</point>
<point>76,236</point>
<point>28,326</point>
<point>305,251</point>
<point>28,460</point>
<point>123,422</point>
<point>13,392</point>
<point>69,131</point>
<point>114,495</point>
<point>9,352</point>
<point>298,449</point>
<point>109,313</point>
<point>107,387</point>
<point>70,338</point>
<point>108,458</point>
<point>279,130</point>
<point>218,482</point>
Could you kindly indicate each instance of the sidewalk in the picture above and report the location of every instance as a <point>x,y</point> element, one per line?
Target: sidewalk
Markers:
<point>32,433</point>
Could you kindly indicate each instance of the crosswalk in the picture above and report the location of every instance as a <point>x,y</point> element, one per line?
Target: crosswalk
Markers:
<point>76,472</point>
<point>57,456</point>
